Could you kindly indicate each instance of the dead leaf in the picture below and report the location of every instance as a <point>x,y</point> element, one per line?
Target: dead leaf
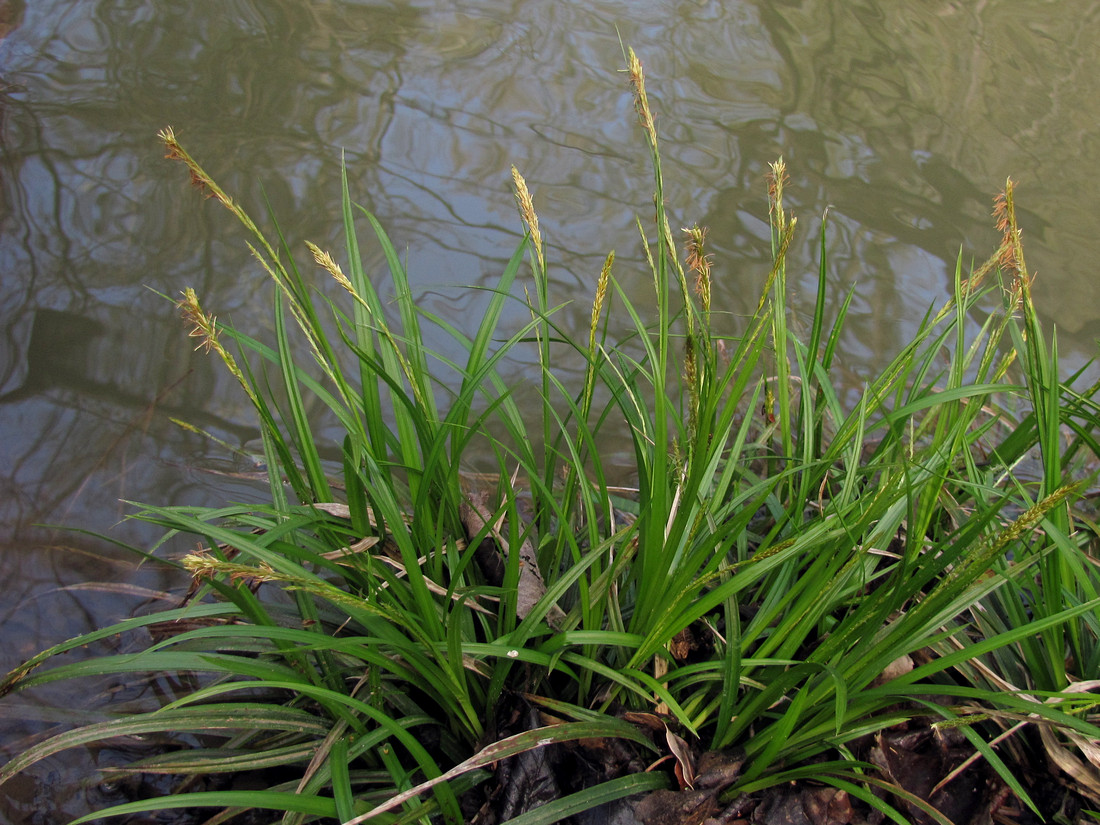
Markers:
<point>682,645</point>
<point>338,510</point>
<point>334,508</point>
<point>352,549</point>
<point>685,763</point>
<point>1086,774</point>
<point>660,670</point>
<point>438,589</point>
<point>898,667</point>
<point>648,720</point>
<point>914,761</point>
<point>676,807</point>
<point>827,806</point>
<point>718,770</point>
<point>530,587</point>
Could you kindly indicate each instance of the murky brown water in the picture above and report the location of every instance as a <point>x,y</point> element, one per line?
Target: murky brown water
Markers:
<point>904,119</point>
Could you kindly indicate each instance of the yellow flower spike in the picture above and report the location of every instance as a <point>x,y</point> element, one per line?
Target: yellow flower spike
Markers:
<point>527,212</point>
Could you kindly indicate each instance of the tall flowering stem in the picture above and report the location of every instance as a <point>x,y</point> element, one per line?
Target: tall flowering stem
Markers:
<point>207,185</point>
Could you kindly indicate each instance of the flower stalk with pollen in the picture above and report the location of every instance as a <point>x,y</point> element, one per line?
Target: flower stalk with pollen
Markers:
<point>204,183</point>
<point>598,304</point>
<point>265,253</point>
<point>641,99</point>
<point>670,247</point>
<point>1011,254</point>
<point>691,378</point>
<point>698,261</point>
<point>328,263</point>
<point>696,347</point>
<point>1009,258</point>
<point>205,329</point>
<point>783,224</point>
<point>777,179</point>
<point>203,566</point>
<point>600,300</point>
<point>527,212</point>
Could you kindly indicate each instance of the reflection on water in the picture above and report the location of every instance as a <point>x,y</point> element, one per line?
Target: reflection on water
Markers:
<point>903,119</point>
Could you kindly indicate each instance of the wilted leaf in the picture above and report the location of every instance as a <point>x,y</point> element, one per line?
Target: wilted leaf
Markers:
<point>530,587</point>
<point>358,547</point>
<point>1086,774</point>
<point>685,764</point>
<point>896,668</point>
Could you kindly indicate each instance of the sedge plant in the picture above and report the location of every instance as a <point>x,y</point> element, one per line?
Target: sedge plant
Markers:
<point>785,577</point>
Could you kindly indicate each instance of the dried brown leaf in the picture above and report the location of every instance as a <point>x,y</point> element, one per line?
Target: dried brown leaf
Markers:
<point>530,588</point>
<point>685,762</point>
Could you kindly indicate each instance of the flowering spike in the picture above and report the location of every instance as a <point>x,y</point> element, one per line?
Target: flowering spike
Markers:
<point>527,212</point>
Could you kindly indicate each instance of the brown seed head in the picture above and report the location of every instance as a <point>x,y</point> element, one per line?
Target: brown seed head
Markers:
<point>167,136</point>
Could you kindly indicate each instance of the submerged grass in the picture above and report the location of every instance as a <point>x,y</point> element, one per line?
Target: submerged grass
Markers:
<point>780,584</point>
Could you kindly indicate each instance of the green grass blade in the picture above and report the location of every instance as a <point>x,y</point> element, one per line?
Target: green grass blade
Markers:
<point>263,800</point>
<point>590,798</point>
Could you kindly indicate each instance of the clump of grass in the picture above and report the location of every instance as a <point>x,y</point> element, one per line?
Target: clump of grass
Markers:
<point>783,584</point>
